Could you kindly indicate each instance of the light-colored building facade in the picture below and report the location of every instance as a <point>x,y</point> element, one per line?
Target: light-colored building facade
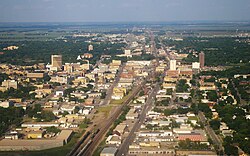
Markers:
<point>56,61</point>
<point>172,64</point>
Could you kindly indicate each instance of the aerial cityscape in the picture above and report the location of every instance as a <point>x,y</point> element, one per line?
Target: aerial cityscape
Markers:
<point>104,84</point>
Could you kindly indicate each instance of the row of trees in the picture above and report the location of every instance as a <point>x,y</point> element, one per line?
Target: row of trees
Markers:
<point>40,51</point>
<point>182,86</point>
<point>221,50</point>
<point>9,116</point>
<point>229,73</point>
<point>120,119</point>
<point>20,92</point>
<point>243,88</point>
<point>235,118</point>
<point>188,144</point>
<point>3,77</point>
<point>39,114</point>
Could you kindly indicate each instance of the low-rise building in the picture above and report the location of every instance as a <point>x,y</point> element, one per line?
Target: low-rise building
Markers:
<point>35,75</point>
<point>192,137</point>
<point>94,94</point>
<point>6,104</point>
<point>36,144</point>
<point>89,101</point>
<point>114,140</point>
<point>35,135</point>
<point>158,133</point>
<point>153,115</point>
<point>183,130</point>
<point>195,152</point>
<point>59,93</point>
<point>60,79</point>
<point>40,124</point>
<point>207,86</point>
<point>151,151</point>
<point>7,84</point>
<point>131,115</point>
<point>118,93</point>
<point>68,108</point>
<point>109,151</point>
<point>119,129</point>
<point>156,139</point>
<point>13,135</point>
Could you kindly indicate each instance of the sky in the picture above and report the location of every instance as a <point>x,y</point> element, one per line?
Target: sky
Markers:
<point>123,10</point>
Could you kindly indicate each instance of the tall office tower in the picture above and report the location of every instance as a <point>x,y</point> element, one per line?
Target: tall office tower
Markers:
<point>90,47</point>
<point>56,61</point>
<point>172,64</point>
<point>202,59</point>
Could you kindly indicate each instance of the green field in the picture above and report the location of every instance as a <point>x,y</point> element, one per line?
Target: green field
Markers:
<point>105,110</point>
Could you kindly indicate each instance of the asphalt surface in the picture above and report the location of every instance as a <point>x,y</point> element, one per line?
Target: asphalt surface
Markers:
<point>110,90</point>
<point>93,143</point>
<point>124,147</point>
<point>210,132</point>
<point>108,123</point>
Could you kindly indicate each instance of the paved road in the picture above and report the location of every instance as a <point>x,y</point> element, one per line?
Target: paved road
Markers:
<point>106,124</point>
<point>238,94</point>
<point>103,126</point>
<point>210,131</point>
<point>110,89</point>
<point>153,44</point>
<point>216,140</point>
<point>124,147</point>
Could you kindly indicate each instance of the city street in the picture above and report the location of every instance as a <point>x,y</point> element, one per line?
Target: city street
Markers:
<point>210,131</point>
<point>124,147</point>
<point>109,92</point>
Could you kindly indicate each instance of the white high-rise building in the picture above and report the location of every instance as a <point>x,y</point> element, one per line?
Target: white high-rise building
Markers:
<point>90,47</point>
<point>172,64</point>
<point>195,65</point>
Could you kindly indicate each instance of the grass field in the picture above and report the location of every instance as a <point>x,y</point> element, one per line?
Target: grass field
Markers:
<point>106,110</point>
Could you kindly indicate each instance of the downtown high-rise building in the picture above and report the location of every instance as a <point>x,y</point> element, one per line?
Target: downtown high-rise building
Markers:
<point>90,47</point>
<point>56,61</point>
<point>172,64</point>
<point>202,59</point>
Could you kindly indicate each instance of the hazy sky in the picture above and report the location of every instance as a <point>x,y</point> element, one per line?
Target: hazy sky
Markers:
<point>122,10</point>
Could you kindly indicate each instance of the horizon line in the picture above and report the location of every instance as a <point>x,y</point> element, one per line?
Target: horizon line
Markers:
<point>171,21</point>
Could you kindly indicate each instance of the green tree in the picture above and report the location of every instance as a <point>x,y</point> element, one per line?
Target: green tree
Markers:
<point>64,113</point>
<point>204,108</point>
<point>231,150</point>
<point>215,124</point>
<point>229,99</point>
<point>52,129</point>
<point>47,116</point>
<point>212,96</point>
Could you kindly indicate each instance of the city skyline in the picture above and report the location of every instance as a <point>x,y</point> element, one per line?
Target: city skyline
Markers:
<point>121,78</point>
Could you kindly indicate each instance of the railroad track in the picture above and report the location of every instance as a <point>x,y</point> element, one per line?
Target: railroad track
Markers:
<point>87,145</point>
<point>98,138</point>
